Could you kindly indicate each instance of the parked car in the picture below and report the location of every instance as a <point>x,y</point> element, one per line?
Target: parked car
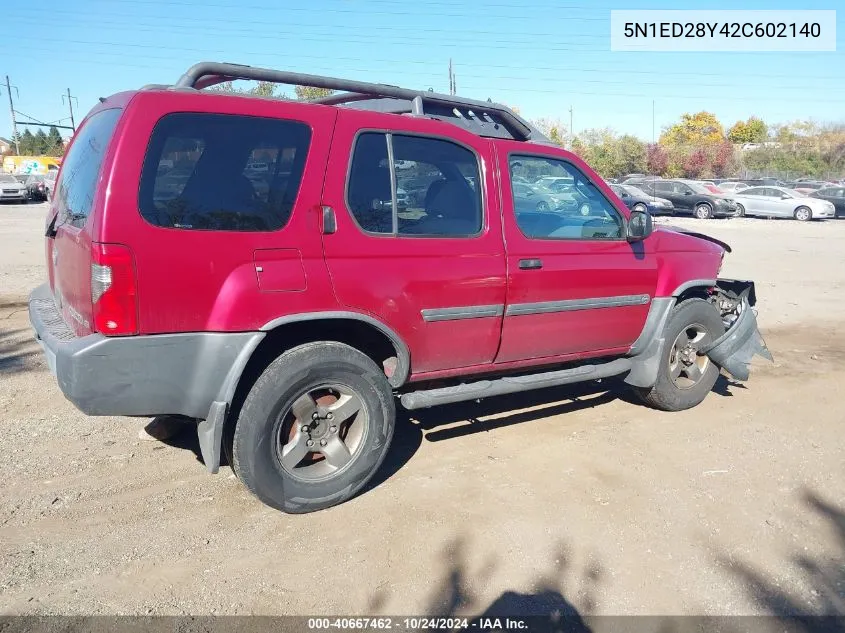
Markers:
<point>732,187</point>
<point>36,187</point>
<point>764,182</point>
<point>691,197</point>
<point>638,200</point>
<point>556,184</point>
<point>537,198</point>
<point>834,195</point>
<point>287,326</point>
<point>11,189</point>
<point>780,202</point>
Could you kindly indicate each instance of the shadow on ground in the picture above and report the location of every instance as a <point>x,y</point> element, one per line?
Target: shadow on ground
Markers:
<point>18,351</point>
<point>544,602</point>
<point>823,576</point>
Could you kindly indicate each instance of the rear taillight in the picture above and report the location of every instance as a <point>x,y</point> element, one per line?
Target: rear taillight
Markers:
<point>114,290</point>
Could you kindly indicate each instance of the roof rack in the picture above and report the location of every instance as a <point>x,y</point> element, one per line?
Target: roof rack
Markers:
<point>484,118</point>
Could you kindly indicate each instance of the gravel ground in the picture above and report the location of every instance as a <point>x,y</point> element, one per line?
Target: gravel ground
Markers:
<point>563,499</point>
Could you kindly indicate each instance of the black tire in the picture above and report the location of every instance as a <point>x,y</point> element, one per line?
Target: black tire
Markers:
<point>255,445</point>
<point>542,206</point>
<point>703,211</point>
<point>639,207</point>
<point>803,214</point>
<point>665,394</point>
<point>740,211</point>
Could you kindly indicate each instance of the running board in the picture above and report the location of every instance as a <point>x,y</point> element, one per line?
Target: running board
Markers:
<point>513,384</point>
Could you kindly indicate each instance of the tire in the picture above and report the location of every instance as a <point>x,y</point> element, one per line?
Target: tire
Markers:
<point>740,210</point>
<point>267,420</point>
<point>803,214</point>
<point>640,207</point>
<point>666,394</point>
<point>542,206</point>
<point>703,211</point>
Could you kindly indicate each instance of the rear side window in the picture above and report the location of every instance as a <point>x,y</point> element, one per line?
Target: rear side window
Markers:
<point>81,167</point>
<point>414,186</point>
<point>223,172</point>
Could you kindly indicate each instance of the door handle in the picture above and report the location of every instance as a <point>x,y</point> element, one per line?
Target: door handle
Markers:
<point>329,220</point>
<point>530,264</point>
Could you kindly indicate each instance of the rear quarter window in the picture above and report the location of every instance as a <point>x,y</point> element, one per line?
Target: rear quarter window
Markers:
<point>81,167</point>
<point>223,172</point>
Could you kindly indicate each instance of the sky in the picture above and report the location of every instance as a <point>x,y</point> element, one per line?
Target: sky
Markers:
<point>544,57</point>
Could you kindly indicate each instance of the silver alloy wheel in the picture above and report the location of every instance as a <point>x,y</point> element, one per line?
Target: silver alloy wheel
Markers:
<point>702,212</point>
<point>321,433</point>
<point>803,214</point>
<point>686,366</point>
<point>640,207</point>
<point>740,211</point>
<point>542,206</point>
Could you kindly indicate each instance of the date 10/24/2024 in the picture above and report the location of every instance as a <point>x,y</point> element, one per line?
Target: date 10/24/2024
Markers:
<point>486,624</point>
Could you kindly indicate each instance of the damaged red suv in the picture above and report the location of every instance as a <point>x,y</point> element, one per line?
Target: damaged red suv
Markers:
<point>283,272</point>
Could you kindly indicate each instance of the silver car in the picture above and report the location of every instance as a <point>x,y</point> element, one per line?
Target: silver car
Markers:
<point>12,189</point>
<point>780,202</point>
<point>732,187</point>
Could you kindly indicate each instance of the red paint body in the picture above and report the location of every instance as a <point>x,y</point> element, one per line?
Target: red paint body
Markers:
<point>209,281</point>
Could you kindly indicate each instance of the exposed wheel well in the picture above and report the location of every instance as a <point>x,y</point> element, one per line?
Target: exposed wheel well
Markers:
<point>695,292</point>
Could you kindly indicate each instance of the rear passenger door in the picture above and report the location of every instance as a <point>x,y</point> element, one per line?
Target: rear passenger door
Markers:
<point>418,238</point>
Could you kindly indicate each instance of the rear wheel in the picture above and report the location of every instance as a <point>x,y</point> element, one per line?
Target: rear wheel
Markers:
<point>542,206</point>
<point>314,428</point>
<point>803,214</point>
<point>703,211</point>
<point>640,207</point>
<point>740,211</point>
<point>685,377</point>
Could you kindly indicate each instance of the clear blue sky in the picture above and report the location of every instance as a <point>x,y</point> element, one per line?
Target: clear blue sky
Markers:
<point>543,56</point>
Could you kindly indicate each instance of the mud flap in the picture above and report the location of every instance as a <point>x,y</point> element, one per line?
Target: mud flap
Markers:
<point>734,350</point>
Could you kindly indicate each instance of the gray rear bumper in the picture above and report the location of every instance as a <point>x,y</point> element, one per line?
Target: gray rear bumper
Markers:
<point>163,374</point>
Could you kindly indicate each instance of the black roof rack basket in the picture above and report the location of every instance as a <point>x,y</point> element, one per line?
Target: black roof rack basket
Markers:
<point>480,117</point>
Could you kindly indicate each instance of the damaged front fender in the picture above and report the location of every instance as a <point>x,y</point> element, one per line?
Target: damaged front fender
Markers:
<point>734,350</point>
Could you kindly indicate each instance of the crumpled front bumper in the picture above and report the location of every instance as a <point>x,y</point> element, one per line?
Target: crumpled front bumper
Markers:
<point>742,341</point>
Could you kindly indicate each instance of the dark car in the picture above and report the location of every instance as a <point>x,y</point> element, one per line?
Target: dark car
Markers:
<point>36,187</point>
<point>834,195</point>
<point>635,198</point>
<point>692,197</point>
<point>765,182</point>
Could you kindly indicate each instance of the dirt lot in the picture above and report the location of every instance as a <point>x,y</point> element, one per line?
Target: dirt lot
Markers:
<point>564,499</point>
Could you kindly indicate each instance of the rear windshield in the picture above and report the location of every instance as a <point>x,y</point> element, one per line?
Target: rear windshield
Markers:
<point>81,167</point>
<point>223,172</point>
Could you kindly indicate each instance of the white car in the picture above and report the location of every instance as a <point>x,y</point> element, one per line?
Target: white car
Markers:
<point>732,187</point>
<point>12,189</point>
<point>780,202</point>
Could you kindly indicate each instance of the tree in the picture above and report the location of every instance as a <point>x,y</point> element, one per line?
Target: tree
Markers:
<point>724,161</point>
<point>309,93</point>
<point>632,155</point>
<point>55,143</point>
<point>553,129</point>
<point>41,143</point>
<point>694,130</point>
<point>696,164</point>
<point>753,130</point>
<point>27,144</point>
<point>657,160</point>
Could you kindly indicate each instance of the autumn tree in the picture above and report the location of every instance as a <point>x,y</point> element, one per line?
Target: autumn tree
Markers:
<point>696,164</point>
<point>553,129</point>
<point>697,130</point>
<point>753,130</point>
<point>657,160</point>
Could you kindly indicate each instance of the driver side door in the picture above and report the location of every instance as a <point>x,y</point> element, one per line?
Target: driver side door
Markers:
<point>576,286</point>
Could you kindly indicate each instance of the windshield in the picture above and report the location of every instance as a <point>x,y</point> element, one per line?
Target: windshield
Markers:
<point>789,192</point>
<point>8,179</point>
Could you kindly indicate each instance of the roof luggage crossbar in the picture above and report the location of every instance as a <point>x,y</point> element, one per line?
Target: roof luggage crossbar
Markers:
<point>482,117</point>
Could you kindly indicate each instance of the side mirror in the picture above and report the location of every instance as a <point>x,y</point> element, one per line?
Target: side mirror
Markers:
<point>687,192</point>
<point>640,226</point>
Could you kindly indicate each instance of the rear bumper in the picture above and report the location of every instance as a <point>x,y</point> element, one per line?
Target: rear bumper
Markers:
<point>163,374</point>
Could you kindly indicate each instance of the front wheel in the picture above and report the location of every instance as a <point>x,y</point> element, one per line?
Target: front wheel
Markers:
<point>803,214</point>
<point>640,207</point>
<point>740,211</point>
<point>542,206</point>
<point>685,377</point>
<point>314,428</point>
<point>703,211</point>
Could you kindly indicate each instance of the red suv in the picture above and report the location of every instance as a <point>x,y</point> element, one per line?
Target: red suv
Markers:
<point>281,272</point>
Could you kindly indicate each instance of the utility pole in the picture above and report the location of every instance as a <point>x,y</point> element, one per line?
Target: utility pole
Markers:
<point>571,130</point>
<point>70,99</point>
<point>652,122</point>
<point>12,112</point>
<point>452,87</point>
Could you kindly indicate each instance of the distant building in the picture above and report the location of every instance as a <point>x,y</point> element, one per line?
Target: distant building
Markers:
<point>5,145</point>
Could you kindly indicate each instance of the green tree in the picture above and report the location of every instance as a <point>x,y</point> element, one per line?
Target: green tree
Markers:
<point>41,143</point>
<point>632,155</point>
<point>694,131</point>
<point>309,93</point>
<point>553,129</point>
<point>54,142</point>
<point>28,144</point>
